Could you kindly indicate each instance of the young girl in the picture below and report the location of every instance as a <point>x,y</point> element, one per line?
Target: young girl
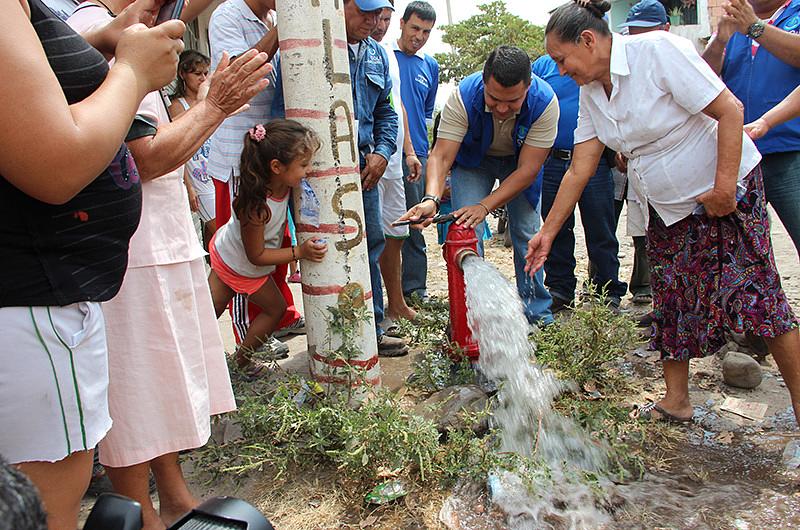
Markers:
<point>246,249</point>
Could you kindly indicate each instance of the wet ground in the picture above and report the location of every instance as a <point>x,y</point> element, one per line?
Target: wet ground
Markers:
<point>724,472</point>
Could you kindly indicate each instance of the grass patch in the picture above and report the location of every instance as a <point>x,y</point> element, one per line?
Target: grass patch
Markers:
<point>582,348</point>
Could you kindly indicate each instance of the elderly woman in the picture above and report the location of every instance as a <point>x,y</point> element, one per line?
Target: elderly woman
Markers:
<point>71,199</point>
<point>708,233</point>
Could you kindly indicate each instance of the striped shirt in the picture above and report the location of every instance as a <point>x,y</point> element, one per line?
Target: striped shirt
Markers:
<point>234,28</point>
<point>59,254</point>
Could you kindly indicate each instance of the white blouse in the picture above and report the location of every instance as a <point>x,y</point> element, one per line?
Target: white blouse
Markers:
<point>660,86</point>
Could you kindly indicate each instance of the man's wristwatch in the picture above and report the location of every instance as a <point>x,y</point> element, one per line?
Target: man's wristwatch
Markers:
<point>756,29</point>
<point>433,198</point>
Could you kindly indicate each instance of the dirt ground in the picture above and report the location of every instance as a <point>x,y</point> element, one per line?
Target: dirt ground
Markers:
<point>725,472</point>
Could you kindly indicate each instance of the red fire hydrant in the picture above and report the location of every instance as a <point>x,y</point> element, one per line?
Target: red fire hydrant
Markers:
<point>461,242</point>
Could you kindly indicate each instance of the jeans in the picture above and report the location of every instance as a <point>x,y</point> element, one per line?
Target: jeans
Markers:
<point>470,185</point>
<point>415,257</point>
<point>640,274</point>
<point>376,241</point>
<point>782,186</point>
<point>599,222</point>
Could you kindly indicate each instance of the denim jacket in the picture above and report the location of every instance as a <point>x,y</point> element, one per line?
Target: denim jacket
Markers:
<point>372,88</point>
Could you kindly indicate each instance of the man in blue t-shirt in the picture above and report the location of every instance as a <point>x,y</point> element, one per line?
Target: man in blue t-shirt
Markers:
<point>596,205</point>
<point>419,76</point>
<point>757,51</point>
<point>499,125</point>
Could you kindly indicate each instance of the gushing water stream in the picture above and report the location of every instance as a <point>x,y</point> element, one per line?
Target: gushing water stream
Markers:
<point>564,483</point>
<point>524,416</point>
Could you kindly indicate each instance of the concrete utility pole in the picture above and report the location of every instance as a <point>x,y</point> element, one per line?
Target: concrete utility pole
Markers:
<point>316,86</point>
<point>449,13</point>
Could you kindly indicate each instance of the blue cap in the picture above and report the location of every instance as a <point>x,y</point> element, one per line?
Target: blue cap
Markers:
<point>373,5</point>
<point>646,14</point>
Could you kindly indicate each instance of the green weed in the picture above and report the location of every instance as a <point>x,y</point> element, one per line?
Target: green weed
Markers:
<point>581,348</point>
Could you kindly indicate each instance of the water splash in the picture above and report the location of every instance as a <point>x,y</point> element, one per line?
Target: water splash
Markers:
<point>557,495</point>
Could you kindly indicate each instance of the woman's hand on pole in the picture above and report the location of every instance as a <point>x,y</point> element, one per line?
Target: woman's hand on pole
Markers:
<point>312,250</point>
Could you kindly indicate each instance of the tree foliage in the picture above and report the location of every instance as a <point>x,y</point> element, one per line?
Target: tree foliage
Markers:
<point>473,39</point>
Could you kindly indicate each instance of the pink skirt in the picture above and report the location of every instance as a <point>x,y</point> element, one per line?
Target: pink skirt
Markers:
<point>167,368</point>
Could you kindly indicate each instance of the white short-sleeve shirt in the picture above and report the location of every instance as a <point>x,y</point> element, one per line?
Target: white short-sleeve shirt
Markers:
<point>660,86</point>
<point>234,28</point>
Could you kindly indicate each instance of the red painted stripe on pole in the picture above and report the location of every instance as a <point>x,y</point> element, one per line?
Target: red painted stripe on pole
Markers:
<point>291,44</point>
<point>342,363</point>
<point>375,381</point>
<point>340,43</point>
<point>337,229</point>
<point>335,172</point>
<point>314,114</point>
<point>327,290</point>
<point>307,113</point>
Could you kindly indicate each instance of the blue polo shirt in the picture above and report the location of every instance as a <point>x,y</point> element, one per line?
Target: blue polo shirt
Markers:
<point>763,81</point>
<point>419,81</point>
<point>568,93</point>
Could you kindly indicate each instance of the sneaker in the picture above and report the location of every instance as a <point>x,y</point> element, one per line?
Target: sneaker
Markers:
<point>391,346</point>
<point>272,349</point>
<point>298,327</point>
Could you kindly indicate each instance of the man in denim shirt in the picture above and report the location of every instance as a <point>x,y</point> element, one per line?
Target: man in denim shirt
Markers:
<point>377,136</point>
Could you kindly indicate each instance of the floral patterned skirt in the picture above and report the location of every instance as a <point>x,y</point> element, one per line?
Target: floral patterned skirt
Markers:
<point>715,275</point>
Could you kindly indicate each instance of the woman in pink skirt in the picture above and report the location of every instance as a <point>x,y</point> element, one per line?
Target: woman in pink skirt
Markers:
<point>167,368</point>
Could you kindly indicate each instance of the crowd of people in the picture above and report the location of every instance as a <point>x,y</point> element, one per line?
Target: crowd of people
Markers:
<point>108,309</point>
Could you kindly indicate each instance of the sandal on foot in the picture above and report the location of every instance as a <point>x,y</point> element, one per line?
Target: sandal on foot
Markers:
<point>253,370</point>
<point>391,347</point>
<point>654,412</point>
<point>391,328</point>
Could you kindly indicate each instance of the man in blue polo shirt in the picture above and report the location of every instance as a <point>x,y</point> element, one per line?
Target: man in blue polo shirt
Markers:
<point>596,205</point>
<point>757,51</point>
<point>419,76</point>
<point>499,124</point>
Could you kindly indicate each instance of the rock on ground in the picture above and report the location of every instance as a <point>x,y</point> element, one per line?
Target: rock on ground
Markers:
<point>741,370</point>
